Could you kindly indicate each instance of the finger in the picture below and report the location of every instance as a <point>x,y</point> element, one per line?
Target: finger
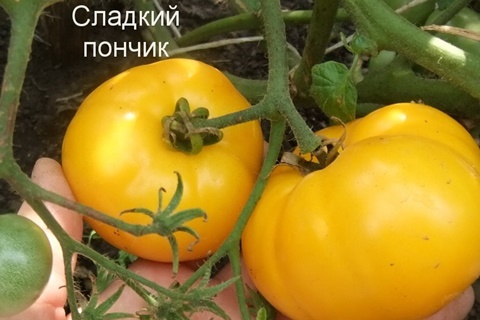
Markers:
<point>48,174</point>
<point>458,309</point>
<point>40,311</point>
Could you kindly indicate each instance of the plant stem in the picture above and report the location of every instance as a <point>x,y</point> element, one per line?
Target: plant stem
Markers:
<point>277,102</point>
<point>30,192</point>
<point>159,32</point>
<point>134,229</point>
<point>253,113</point>
<point>450,11</point>
<point>70,246</point>
<point>243,21</point>
<point>275,143</point>
<point>318,37</point>
<point>274,29</point>
<point>236,264</point>
<point>24,16</point>
<point>21,183</point>
<point>278,94</point>
<point>387,86</point>
<point>391,32</point>
<point>246,21</point>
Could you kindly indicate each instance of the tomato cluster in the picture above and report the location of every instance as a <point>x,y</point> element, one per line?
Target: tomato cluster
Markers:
<point>388,230</point>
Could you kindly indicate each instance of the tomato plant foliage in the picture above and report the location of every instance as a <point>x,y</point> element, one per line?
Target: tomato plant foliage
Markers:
<point>387,228</point>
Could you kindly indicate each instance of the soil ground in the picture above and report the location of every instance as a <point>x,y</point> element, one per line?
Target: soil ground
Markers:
<point>59,77</point>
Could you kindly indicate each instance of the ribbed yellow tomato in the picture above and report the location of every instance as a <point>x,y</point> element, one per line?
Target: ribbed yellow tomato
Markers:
<point>410,119</point>
<point>114,157</point>
<point>390,230</point>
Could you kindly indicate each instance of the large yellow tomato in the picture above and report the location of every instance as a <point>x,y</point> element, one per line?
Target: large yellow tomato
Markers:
<point>115,159</point>
<point>390,230</point>
<point>409,119</point>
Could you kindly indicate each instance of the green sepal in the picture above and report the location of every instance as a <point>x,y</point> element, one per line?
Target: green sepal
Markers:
<point>165,222</point>
<point>180,132</point>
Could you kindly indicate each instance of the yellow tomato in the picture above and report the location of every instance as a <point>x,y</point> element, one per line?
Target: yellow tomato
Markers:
<point>390,230</point>
<point>115,159</point>
<point>409,119</point>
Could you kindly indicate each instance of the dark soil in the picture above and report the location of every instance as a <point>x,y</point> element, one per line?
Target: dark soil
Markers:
<point>59,77</point>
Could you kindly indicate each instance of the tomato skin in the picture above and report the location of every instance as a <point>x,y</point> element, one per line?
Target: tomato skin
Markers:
<point>388,231</point>
<point>114,157</point>
<point>410,119</point>
<point>25,263</point>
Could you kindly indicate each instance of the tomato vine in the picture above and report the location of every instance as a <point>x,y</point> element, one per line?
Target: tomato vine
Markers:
<point>278,99</point>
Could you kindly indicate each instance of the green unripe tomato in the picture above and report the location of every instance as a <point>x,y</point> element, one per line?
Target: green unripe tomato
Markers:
<point>25,263</point>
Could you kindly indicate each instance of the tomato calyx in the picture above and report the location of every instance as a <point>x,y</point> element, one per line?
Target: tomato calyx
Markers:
<point>320,158</point>
<point>180,132</point>
<point>165,222</point>
<point>305,165</point>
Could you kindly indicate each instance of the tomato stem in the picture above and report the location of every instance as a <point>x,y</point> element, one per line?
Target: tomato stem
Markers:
<point>391,32</point>
<point>275,143</point>
<point>277,103</point>
<point>180,132</point>
<point>318,38</point>
<point>24,17</point>
<point>33,194</point>
<point>450,11</point>
<point>236,263</point>
<point>157,32</point>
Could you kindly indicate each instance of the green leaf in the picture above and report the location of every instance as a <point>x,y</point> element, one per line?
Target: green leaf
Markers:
<point>94,311</point>
<point>213,307</point>
<point>107,304</point>
<point>211,291</point>
<point>333,90</point>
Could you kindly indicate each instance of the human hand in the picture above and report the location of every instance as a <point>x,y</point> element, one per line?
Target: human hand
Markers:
<point>48,174</point>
